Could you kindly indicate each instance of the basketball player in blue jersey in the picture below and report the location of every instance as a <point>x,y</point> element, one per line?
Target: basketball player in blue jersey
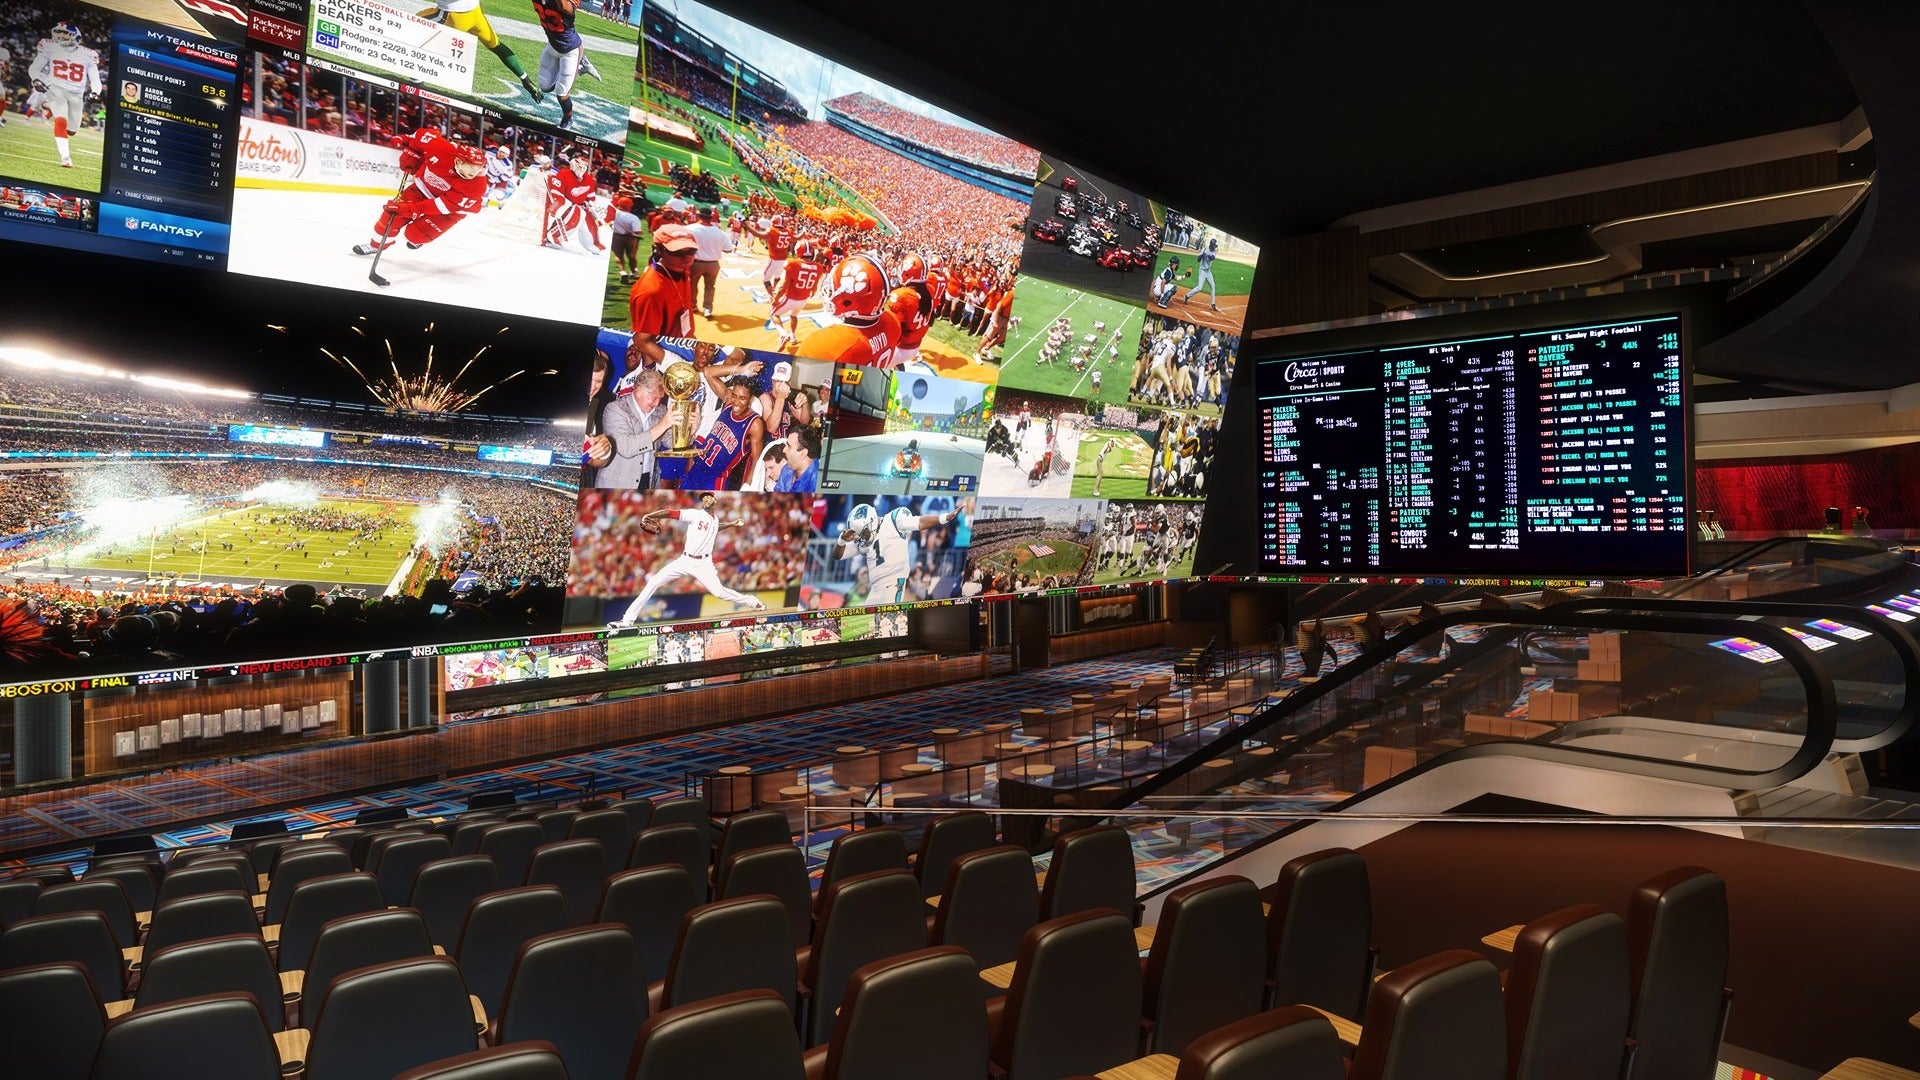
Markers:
<point>736,438</point>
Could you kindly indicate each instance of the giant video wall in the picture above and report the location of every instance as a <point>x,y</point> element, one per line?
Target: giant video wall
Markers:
<point>361,326</point>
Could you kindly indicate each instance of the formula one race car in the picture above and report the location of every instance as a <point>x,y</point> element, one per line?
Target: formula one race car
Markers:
<point>1142,255</point>
<point>1134,220</point>
<point>1069,184</point>
<point>1049,231</point>
<point>1083,242</point>
<point>1118,258</point>
<point>1064,206</point>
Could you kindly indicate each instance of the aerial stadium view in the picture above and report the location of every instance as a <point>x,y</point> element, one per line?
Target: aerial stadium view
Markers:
<point>1022,545</point>
<point>173,497</point>
<point>805,170</point>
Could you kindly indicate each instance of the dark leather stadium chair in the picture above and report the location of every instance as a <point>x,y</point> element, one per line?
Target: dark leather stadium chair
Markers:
<point>47,876</point>
<point>1677,945</point>
<point>444,889</point>
<point>345,839</point>
<point>366,846</point>
<point>386,1019</point>
<point>989,903</point>
<point>686,810</point>
<point>918,1014</point>
<point>261,854</point>
<point>510,846</point>
<point>403,858</point>
<point>50,1021</point>
<point>302,863</point>
<point>577,869</point>
<point>756,829</point>
<point>863,918</point>
<point>16,900</point>
<point>864,851</point>
<point>554,824</point>
<point>639,812</point>
<point>207,876</point>
<point>316,902</point>
<point>139,880</point>
<point>947,838</point>
<point>730,945</point>
<point>1091,869</point>
<point>1320,933</point>
<point>108,897</point>
<point>1567,997</point>
<point>1074,1004</point>
<point>679,845</point>
<point>497,925</point>
<point>1206,968</point>
<point>514,1061</point>
<point>356,941</point>
<point>650,902</point>
<point>199,917</point>
<point>70,937</point>
<point>1294,1042</point>
<point>225,965</point>
<point>779,871</point>
<point>215,1035</point>
<point>1438,1018</point>
<point>583,991</point>
<point>731,1037</point>
<point>466,834</point>
<point>613,829</point>
<point>194,857</point>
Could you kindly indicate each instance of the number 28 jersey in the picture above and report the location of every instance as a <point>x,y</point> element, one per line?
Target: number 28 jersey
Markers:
<point>73,68</point>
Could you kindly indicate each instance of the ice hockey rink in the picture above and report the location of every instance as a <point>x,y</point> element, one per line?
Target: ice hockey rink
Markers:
<point>860,464</point>
<point>308,237</point>
<point>1002,477</point>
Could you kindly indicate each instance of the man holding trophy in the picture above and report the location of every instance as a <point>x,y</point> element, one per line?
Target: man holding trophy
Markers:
<point>658,414</point>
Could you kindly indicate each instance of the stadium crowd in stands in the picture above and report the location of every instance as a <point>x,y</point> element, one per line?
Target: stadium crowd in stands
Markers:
<point>966,144</point>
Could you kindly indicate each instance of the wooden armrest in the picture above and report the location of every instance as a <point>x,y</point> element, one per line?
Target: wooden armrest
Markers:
<point>933,901</point>
<point>1000,975</point>
<point>292,1044</point>
<point>1867,1069</point>
<point>1914,1020</point>
<point>119,1008</point>
<point>1143,938</point>
<point>439,950</point>
<point>291,983</point>
<point>1156,1067</point>
<point>1503,939</point>
<point>132,957</point>
<point>1347,1030</point>
<point>270,934</point>
<point>260,886</point>
<point>479,1014</point>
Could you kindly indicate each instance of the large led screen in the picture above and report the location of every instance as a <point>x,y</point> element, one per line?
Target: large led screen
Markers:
<point>1540,451</point>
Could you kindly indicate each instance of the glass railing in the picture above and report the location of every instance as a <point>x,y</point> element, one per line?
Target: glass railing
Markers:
<point>1791,564</point>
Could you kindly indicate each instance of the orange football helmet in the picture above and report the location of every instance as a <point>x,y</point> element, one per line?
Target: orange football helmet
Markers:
<point>913,269</point>
<point>857,287</point>
<point>804,248</point>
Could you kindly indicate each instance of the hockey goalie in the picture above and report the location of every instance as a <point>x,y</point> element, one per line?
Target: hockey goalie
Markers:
<point>446,181</point>
<point>570,213</point>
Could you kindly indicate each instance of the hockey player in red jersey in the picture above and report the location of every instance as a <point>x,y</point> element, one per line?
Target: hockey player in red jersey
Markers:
<point>570,205</point>
<point>446,182</point>
<point>857,290</point>
<point>914,304</point>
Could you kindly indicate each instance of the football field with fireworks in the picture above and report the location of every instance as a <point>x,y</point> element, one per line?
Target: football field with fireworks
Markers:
<point>262,549</point>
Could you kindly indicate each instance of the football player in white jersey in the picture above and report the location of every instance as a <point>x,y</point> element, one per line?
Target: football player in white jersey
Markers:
<point>695,560</point>
<point>885,541</point>
<point>6,58</point>
<point>65,72</point>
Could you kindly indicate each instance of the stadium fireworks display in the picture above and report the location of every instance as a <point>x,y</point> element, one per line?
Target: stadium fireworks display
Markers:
<point>424,391</point>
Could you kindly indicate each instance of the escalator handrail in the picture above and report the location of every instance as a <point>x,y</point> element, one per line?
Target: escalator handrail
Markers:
<point>1745,554</point>
<point>1896,637</point>
<point>1817,742</point>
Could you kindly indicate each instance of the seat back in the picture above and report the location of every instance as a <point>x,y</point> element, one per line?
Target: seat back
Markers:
<point>206,876</point>
<point>47,876</point>
<point>497,925</point>
<point>1567,997</point>
<point>365,849</point>
<point>318,901</point>
<point>385,1019</point>
<point>236,964</point>
<point>107,896</point>
<point>730,1037</point>
<point>864,851</point>
<point>863,919</point>
<point>650,902</point>
<point>989,903</point>
<point>444,889</point>
<point>303,863</point>
<point>215,1035</point>
<point>520,1061</point>
<point>729,945</point>
<point>1206,969</point>
<point>71,937</point>
<point>1294,1042</point>
<point>582,990</point>
<point>679,845</point>
<point>1677,945</point>
<point>948,837</point>
<point>199,917</point>
<point>613,829</point>
<point>1091,869</point>
<point>1320,932</point>
<point>138,880</point>
<point>916,1014</point>
<point>466,835</point>
<point>554,824</point>
<point>779,871</point>
<point>50,1021</point>
<point>577,868</point>
<point>639,813</point>
<point>262,854</point>
<point>758,829</point>
<point>356,941</point>
<point>1439,1018</point>
<point>1074,1005</point>
<point>403,858</point>
<point>16,900</point>
<point>686,810</point>
<point>511,845</point>
<point>195,858</point>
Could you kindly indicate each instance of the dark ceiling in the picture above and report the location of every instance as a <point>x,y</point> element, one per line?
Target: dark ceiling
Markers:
<point>1278,119</point>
